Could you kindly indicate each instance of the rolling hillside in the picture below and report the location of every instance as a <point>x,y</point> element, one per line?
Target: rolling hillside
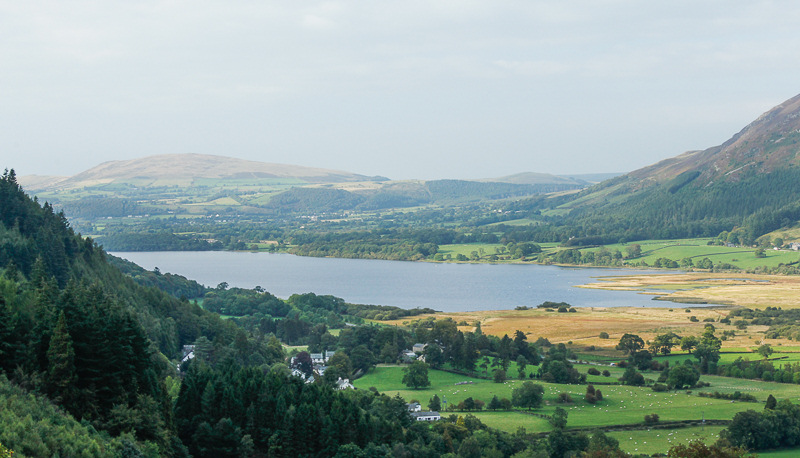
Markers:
<point>749,183</point>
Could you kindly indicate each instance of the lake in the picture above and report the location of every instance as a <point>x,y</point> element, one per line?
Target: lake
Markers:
<point>440,286</point>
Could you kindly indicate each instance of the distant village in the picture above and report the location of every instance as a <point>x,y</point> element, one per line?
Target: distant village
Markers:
<point>319,361</point>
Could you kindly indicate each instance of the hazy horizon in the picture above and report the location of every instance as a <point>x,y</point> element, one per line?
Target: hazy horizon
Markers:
<point>408,90</point>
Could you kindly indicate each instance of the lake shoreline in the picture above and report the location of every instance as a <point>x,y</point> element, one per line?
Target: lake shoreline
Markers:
<point>439,286</point>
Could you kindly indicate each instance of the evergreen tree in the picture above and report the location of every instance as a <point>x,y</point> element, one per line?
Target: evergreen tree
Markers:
<point>771,403</point>
<point>61,374</point>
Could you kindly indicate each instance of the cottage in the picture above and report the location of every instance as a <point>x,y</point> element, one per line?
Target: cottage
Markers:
<point>414,407</point>
<point>426,416</point>
<point>317,358</point>
<point>408,356</point>
<point>344,384</point>
<point>418,347</point>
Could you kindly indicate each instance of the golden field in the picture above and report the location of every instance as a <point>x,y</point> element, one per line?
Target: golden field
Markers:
<point>745,290</point>
<point>584,326</point>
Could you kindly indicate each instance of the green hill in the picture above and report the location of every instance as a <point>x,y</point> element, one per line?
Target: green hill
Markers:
<point>750,182</point>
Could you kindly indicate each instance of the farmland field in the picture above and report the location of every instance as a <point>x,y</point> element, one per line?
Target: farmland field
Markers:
<point>621,405</point>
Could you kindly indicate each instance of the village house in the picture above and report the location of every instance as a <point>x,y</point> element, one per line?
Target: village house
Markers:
<point>344,384</point>
<point>426,416</point>
<point>317,358</point>
<point>414,407</point>
<point>408,356</point>
<point>188,353</point>
<point>321,358</point>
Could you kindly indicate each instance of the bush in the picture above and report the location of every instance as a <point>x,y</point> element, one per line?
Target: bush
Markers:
<point>606,373</point>
<point>591,396</point>
<point>660,388</point>
<point>651,419</point>
<point>593,371</point>
<point>693,319</point>
<point>735,396</point>
<point>564,398</point>
<point>603,335</point>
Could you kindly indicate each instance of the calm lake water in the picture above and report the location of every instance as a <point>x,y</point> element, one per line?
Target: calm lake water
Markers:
<point>444,287</point>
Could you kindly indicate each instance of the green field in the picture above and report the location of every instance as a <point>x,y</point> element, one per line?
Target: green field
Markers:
<point>621,405</point>
<point>660,440</point>
<point>697,249</point>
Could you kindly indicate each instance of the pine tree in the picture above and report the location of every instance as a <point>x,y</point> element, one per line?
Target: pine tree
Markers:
<point>771,403</point>
<point>61,376</point>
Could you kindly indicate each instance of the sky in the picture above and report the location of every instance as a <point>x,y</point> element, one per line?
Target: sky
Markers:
<point>404,89</point>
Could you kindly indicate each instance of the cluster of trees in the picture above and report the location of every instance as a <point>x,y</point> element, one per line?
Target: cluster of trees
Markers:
<point>764,370</point>
<point>157,241</point>
<point>778,425</point>
<point>705,348</point>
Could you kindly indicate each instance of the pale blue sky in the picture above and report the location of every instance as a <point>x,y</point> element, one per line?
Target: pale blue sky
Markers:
<point>405,89</point>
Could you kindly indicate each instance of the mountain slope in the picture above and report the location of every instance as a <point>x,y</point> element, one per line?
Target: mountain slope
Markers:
<point>752,181</point>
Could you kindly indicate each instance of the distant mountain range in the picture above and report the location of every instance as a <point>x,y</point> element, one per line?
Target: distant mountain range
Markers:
<point>750,182</point>
<point>186,169</point>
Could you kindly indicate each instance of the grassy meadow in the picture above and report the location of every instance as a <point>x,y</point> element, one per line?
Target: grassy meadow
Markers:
<point>621,405</point>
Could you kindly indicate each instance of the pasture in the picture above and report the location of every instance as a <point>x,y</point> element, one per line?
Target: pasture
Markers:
<point>621,405</point>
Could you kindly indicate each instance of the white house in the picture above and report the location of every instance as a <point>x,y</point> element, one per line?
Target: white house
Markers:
<point>426,416</point>
<point>414,407</point>
<point>344,384</point>
<point>188,353</point>
<point>321,358</point>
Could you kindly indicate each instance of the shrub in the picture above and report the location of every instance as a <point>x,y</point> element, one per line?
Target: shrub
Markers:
<point>606,373</point>
<point>735,396</point>
<point>693,319</point>
<point>564,398</point>
<point>651,419</point>
<point>603,335</point>
<point>660,388</point>
<point>593,371</point>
